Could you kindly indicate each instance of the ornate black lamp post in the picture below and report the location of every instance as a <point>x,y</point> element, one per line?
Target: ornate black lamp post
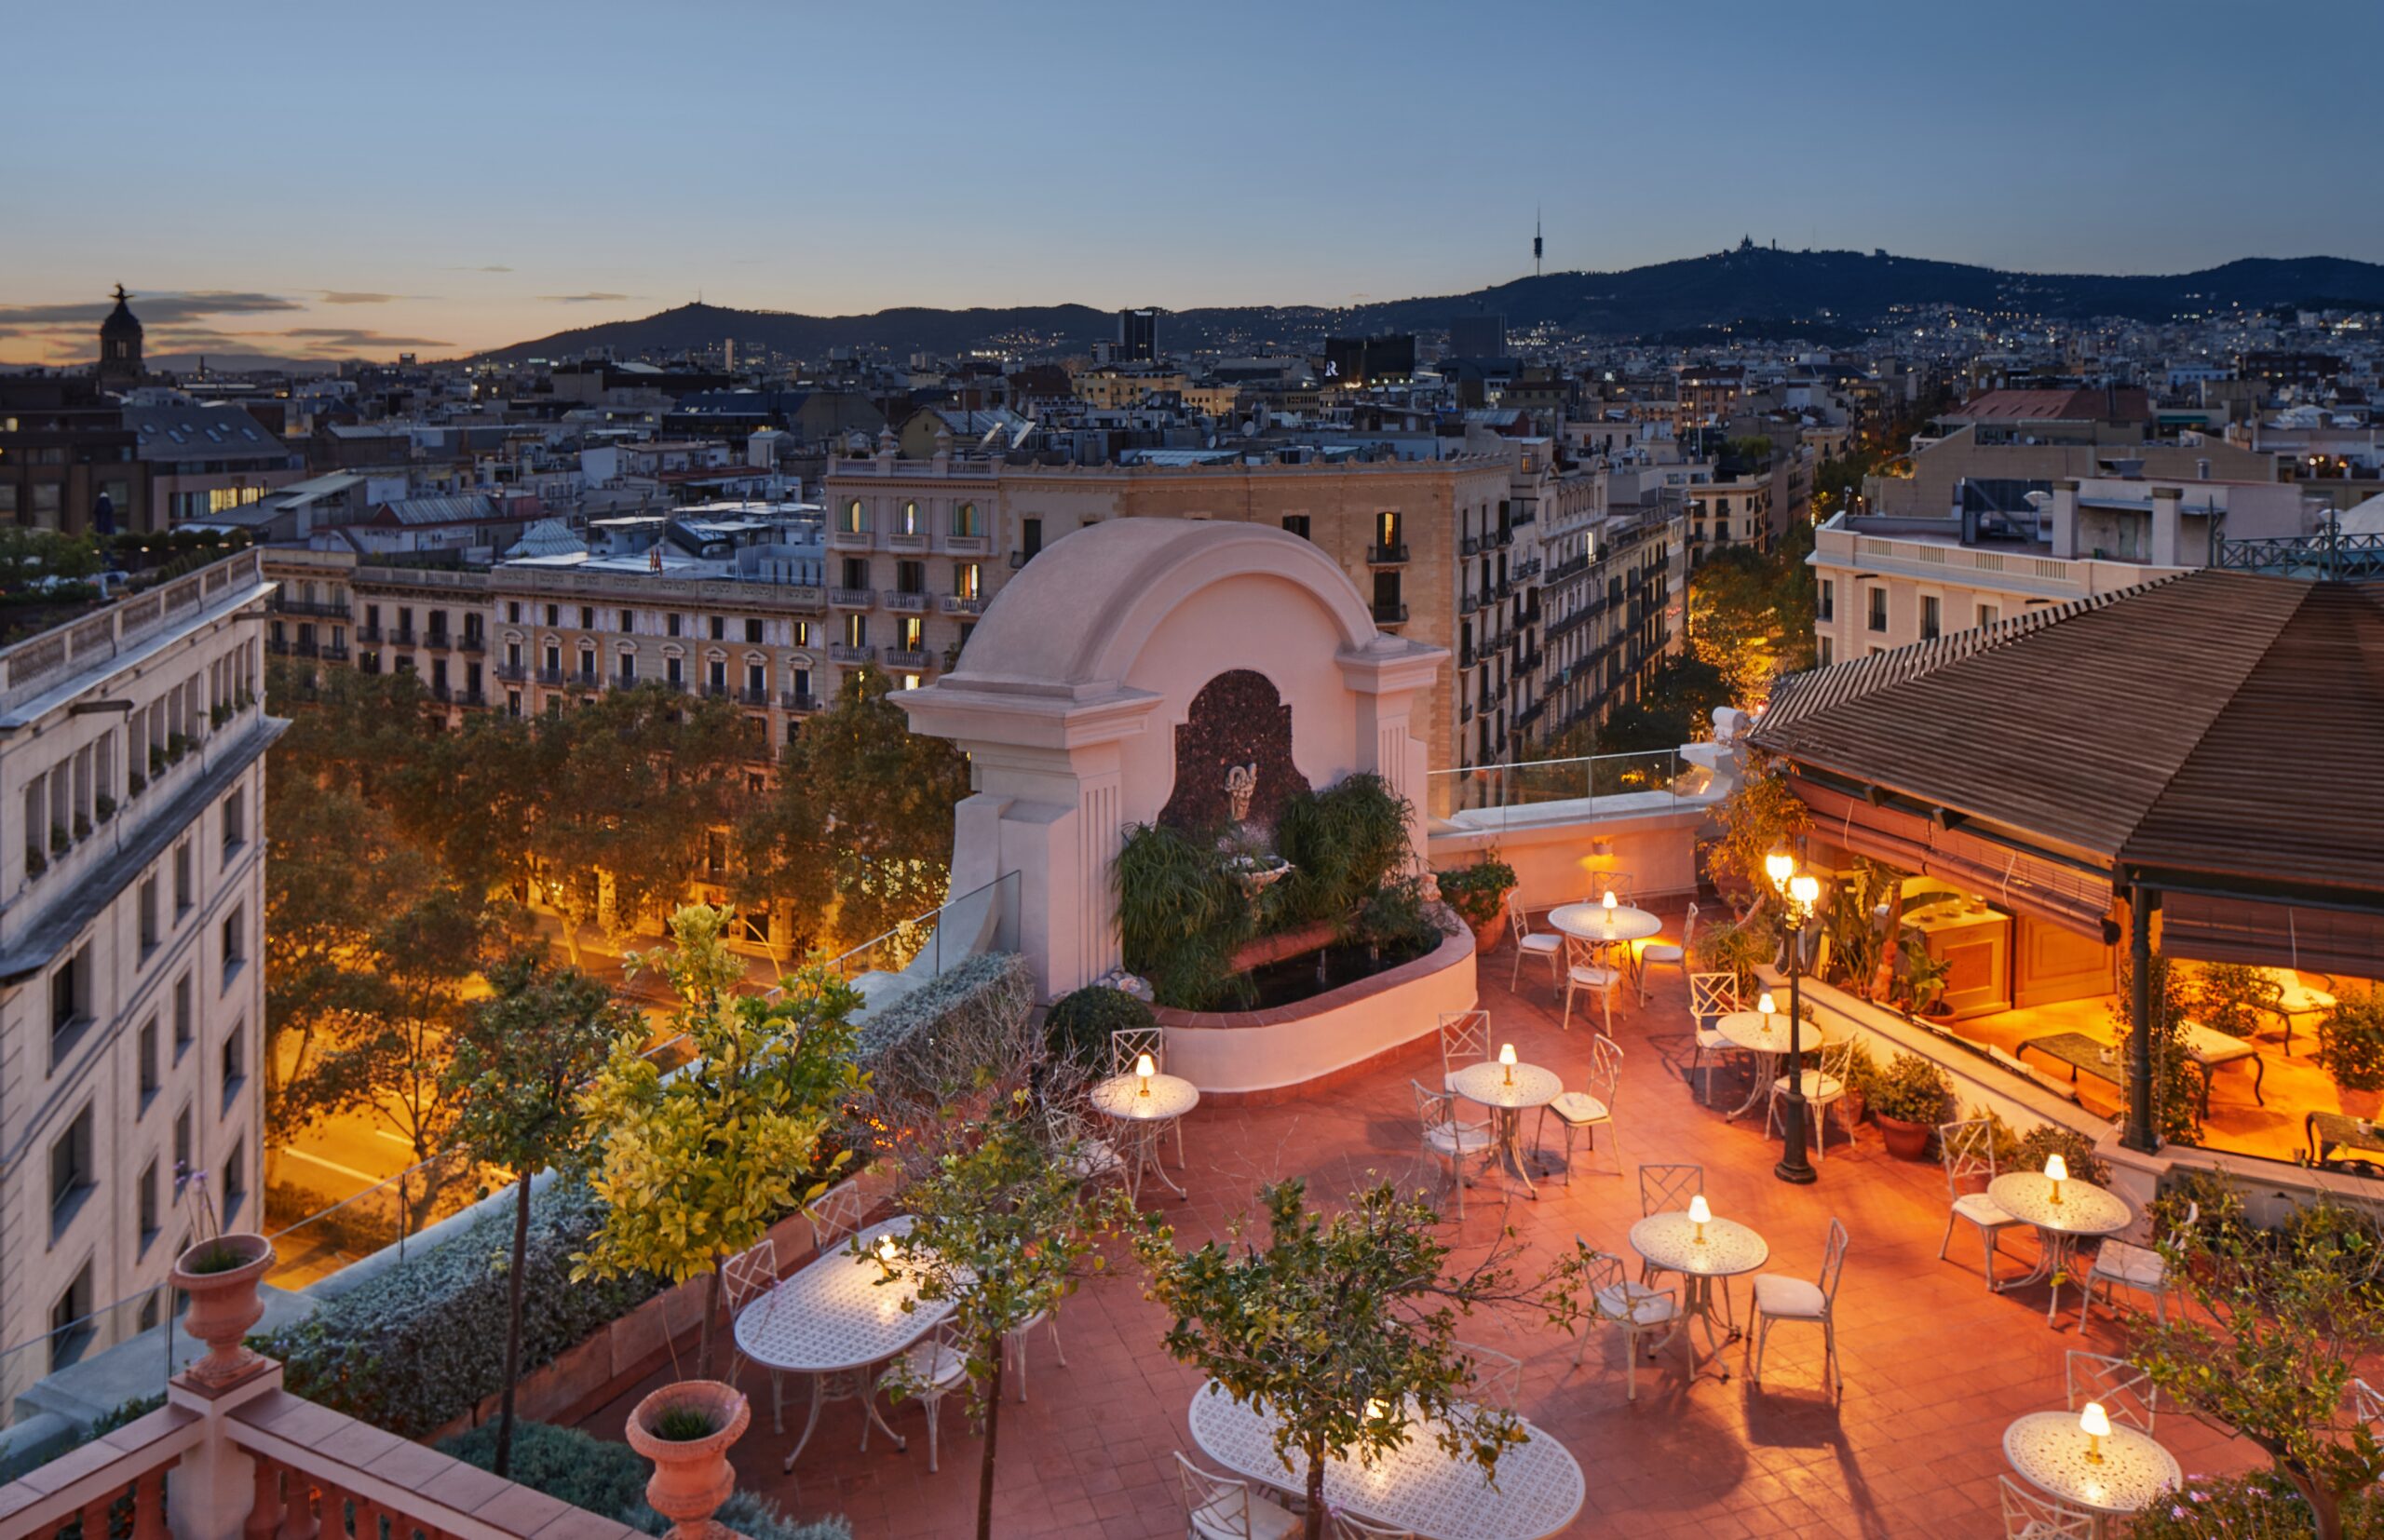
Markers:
<point>1799,891</point>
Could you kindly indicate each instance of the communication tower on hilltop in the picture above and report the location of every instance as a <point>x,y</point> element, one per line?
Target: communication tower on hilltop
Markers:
<point>1535,243</point>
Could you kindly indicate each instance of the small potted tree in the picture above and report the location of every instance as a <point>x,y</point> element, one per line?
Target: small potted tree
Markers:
<point>1478,893</point>
<point>220,1273</point>
<point>1908,1099</point>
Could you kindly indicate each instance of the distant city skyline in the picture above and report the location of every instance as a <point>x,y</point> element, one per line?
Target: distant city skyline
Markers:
<point>450,178</point>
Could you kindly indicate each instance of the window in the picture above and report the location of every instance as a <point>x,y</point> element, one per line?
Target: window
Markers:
<point>754,632</point>
<point>803,633</point>
<point>719,682</point>
<point>235,1062</point>
<point>967,580</point>
<point>184,897</point>
<point>716,854</point>
<point>628,620</point>
<point>719,629</point>
<point>1827,606</point>
<point>1878,602</point>
<point>911,632</point>
<point>756,923</point>
<point>183,1026</point>
<point>1030,536</point>
<point>1296,524</point>
<point>1932,609</point>
<point>1387,529</point>
<point>628,669</point>
<point>674,670</point>
<point>71,1330</point>
<point>850,522</point>
<point>1988,615</point>
<point>70,997</point>
<point>71,1171</point>
<point>151,1075</point>
<point>670,622</point>
<point>910,518</point>
<point>151,1210</point>
<point>911,576</point>
<point>555,614</point>
<point>757,677</point>
<point>235,824</point>
<point>513,612</point>
<point>587,617</point>
<point>855,630</point>
<point>236,943</point>
<point>964,522</point>
<point>1827,652</point>
<point>236,1178</point>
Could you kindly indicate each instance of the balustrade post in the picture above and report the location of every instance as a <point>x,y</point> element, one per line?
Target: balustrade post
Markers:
<point>215,1487</point>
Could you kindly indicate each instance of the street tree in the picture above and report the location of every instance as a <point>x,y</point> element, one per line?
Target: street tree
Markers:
<point>695,1166</point>
<point>521,1059</point>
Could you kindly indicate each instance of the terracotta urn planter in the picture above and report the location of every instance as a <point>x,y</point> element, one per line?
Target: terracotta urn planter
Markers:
<point>691,1475</point>
<point>1487,934</point>
<point>220,1276</point>
<point>1905,1141</point>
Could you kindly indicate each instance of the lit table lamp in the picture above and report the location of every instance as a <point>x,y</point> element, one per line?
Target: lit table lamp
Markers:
<point>1700,1215</point>
<point>885,1254</point>
<point>2096,1424</point>
<point>1608,902</point>
<point>1506,1057</point>
<point>1769,1009</point>
<point>2056,1173</point>
<point>1143,1069</point>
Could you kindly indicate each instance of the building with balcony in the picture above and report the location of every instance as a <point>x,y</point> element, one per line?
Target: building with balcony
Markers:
<point>131,981</point>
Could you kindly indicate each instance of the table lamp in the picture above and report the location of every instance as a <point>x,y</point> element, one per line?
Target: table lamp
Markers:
<point>1769,1009</point>
<point>1608,902</point>
<point>1143,1069</point>
<point>1699,1214</point>
<point>885,1254</point>
<point>1506,1057</point>
<point>2096,1424</point>
<point>2056,1173</point>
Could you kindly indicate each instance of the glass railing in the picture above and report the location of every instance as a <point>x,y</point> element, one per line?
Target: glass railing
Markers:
<point>1496,788</point>
<point>27,1363</point>
<point>985,919</point>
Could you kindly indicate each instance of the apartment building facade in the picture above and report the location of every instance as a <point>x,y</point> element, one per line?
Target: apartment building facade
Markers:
<point>131,977</point>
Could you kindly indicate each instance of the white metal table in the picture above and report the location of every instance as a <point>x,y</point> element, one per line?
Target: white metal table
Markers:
<point>2079,1210</point>
<point>1607,927</point>
<point>1766,1037</point>
<point>1509,1091</point>
<point>1146,1110</point>
<point>1670,1241</point>
<point>2051,1453</point>
<point>836,1321</point>
<point>1418,1487</point>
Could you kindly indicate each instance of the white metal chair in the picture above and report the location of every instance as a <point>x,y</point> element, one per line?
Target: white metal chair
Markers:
<point>1465,1042</point>
<point>2367,1405</point>
<point>2029,1515</point>
<point>1497,1377</point>
<point>1711,996</point>
<point>927,1371</point>
<point>2130,1264</point>
<point>1966,1149</point>
<point>747,1278</point>
<point>1620,884</point>
<point>2127,1392</point>
<point>1014,1347</point>
<point>1825,1085</point>
<point>1665,1188</point>
<point>1586,1111</point>
<point>1672,953</point>
<point>1583,971</point>
<point>1450,1138</point>
<point>1529,942</point>
<point>836,1216</point>
<point>1088,1158</point>
<point>1639,1309</point>
<point>1218,1507</point>
<point>1780,1298</point>
<point>1127,1046</point>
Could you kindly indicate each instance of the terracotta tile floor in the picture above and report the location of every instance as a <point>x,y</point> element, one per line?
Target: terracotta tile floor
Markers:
<point>1935,1366</point>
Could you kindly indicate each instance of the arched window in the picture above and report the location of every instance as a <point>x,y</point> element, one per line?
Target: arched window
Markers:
<point>852,523</point>
<point>964,522</point>
<point>910,518</point>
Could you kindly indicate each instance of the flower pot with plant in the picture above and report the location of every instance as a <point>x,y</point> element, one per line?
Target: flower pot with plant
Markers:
<point>1478,893</point>
<point>220,1272</point>
<point>685,1429</point>
<point>1908,1099</point>
<point>2351,1039</point>
<point>2233,997</point>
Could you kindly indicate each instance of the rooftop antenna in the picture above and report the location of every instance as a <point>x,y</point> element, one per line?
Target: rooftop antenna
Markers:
<point>1535,241</point>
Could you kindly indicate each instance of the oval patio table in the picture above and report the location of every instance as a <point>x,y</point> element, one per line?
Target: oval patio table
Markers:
<point>1669,1241</point>
<point>1509,1091</point>
<point>1766,1037</point>
<point>2051,1452</point>
<point>836,1321</point>
<point>1145,1113</point>
<point>1417,1487</point>
<point>1599,925</point>
<point>2082,1212</point>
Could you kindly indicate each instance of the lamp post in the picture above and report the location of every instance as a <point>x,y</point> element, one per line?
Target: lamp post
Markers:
<point>1799,893</point>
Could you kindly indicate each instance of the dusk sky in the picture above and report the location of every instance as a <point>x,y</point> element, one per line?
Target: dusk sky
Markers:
<point>334,181</point>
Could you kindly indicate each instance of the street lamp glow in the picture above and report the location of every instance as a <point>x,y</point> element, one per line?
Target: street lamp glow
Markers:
<point>1805,888</point>
<point>1778,866</point>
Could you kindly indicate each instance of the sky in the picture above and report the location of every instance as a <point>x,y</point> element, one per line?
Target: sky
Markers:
<point>336,181</point>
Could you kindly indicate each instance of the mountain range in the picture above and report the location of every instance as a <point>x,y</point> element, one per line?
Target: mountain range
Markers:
<point>1822,294</point>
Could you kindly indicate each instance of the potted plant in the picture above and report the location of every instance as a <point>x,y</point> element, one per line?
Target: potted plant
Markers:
<point>2232,998</point>
<point>685,1429</point>
<point>220,1273</point>
<point>1908,1099</point>
<point>2350,1040</point>
<point>1478,893</point>
<point>1920,978</point>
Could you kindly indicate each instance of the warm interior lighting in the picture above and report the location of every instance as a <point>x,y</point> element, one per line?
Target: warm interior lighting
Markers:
<point>1700,1215</point>
<point>2096,1424</point>
<point>1145,1067</point>
<point>2056,1173</point>
<point>1506,1057</point>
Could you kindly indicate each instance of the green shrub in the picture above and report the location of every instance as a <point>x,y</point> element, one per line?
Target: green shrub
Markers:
<point>1911,1089</point>
<point>1180,916</point>
<point>2233,997</point>
<point>1078,1027</point>
<point>2255,1506</point>
<point>1394,922</point>
<point>423,1343</point>
<point>2028,1153</point>
<point>1343,842</point>
<point>1736,947</point>
<point>609,1479</point>
<point>2350,1040</point>
<point>1479,892</point>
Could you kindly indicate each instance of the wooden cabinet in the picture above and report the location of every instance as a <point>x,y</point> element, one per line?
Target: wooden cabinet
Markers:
<point>2052,963</point>
<point>1976,950</point>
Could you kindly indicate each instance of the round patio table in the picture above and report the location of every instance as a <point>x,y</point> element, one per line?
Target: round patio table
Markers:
<point>1509,1096</point>
<point>2084,1212</point>
<point>1669,1241</point>
<point>1417,1487</point>
<point>2050,1452</point>
<point>1766,1038</point>
<point>836,1321</point>
<point>1145,1114</point>
<point>1602,926</point>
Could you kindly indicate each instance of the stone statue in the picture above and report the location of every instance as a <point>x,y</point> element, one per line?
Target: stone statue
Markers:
<point>1241,784</point>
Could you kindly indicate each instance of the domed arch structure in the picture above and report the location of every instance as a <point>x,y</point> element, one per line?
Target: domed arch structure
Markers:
<point>1074,691</point>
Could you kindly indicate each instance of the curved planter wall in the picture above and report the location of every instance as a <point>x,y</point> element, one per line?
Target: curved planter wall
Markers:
<point>1264,1055</point>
